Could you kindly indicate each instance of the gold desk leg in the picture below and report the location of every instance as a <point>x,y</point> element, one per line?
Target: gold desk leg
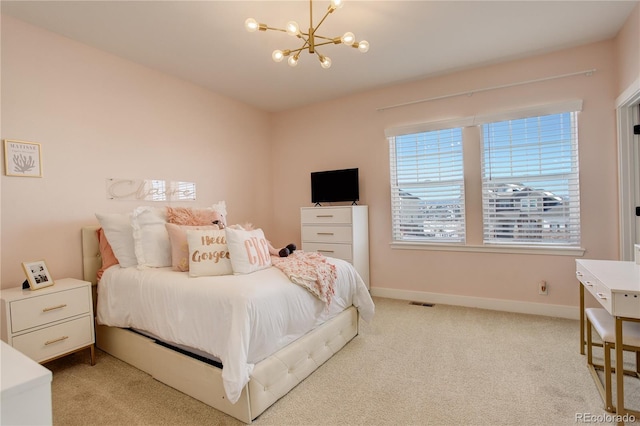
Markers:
<point>581,318</point>
<point>619,369</point>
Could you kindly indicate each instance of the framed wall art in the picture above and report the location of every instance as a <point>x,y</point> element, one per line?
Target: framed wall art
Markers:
<point>22,158</point>
<point>38,274</point>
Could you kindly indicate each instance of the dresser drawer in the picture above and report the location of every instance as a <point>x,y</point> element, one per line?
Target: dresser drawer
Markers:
<point>626,304</point>
<point>327,234</point>
<point>326,215</point>
<point>47,343</point>
<point>587,279</point>
<point>603,295</point>
<point>339,251</point>
<point>45,309</point>
<point>598,290</point>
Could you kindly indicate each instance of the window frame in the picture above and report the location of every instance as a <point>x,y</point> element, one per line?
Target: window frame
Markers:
<point>477,121</point>
<point>432,151</point>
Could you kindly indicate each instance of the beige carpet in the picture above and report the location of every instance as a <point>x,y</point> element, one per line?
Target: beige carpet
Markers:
<point>412,365</point>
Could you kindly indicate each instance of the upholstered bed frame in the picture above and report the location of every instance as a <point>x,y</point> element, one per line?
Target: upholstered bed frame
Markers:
<point>271,379</point>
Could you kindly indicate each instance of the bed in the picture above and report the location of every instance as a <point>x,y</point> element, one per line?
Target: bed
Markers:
<point>250,373</point>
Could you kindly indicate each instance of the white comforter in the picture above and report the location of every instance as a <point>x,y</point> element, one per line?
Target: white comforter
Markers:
<point>240,319</point>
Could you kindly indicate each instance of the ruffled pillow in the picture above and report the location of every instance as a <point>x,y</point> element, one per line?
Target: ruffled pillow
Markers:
<point>150,237</point>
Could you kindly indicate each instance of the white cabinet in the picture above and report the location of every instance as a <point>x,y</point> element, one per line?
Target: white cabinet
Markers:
<point>341,232</point>
<point>25,390</point>
<point>51,322</point>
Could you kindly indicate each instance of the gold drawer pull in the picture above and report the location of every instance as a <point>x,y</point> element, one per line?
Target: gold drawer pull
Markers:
<point>588,283</point>
<point>324,215</point>
<point>578,274</point>
<point>53,308</point>
<point>325,251</point>
<point>59,339</point>
<point>602,296</point>
<point>325,233</point>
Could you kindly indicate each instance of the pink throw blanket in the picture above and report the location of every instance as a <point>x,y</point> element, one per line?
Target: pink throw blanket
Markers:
<point>311,271</point>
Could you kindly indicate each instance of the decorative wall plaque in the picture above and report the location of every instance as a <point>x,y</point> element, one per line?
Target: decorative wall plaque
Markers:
<point>150,190</point>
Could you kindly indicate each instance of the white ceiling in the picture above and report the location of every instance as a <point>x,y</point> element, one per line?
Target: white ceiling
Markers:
<point>205,41</point>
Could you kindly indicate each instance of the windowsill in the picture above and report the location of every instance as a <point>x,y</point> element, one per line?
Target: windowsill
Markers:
<point>546,250</point>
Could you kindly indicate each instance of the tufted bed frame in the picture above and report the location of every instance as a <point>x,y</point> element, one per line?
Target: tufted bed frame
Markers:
<point>271,378</point>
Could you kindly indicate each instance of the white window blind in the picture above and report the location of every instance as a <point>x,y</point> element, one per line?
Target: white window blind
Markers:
<point>427,186</point>
<point>530,187</point>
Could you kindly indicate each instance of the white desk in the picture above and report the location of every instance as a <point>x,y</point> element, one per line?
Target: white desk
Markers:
<point>25,396</point>
<point>616,286</point>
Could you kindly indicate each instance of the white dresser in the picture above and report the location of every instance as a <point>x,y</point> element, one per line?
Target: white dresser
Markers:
<point>25,390</point>
<point>51,322</point>
<point>341,232</point>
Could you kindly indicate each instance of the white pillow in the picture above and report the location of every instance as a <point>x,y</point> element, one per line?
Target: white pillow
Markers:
<point>208,252</point>
<point>249,250</point>
<point>117,228</point>
<point>151,239</point>
<point>220,207</point>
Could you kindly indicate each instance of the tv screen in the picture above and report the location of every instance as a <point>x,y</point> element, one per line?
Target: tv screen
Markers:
<point>334,186</point>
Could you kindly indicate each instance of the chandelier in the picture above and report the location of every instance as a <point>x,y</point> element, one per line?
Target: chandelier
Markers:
<point>310,39</point>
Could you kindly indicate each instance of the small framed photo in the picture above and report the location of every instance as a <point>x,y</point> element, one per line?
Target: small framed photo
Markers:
<point>22,158</point>
<point>38,274</point>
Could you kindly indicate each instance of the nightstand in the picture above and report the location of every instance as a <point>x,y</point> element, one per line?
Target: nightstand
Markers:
<point>51,322</point>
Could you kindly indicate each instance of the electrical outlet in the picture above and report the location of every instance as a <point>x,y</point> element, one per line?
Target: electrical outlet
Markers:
<point>543,288</point>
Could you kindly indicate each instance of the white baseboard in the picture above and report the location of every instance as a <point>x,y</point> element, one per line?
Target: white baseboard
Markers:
<point>560,311</point>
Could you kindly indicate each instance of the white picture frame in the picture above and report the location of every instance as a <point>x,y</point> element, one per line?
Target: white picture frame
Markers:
<point>38,274</point>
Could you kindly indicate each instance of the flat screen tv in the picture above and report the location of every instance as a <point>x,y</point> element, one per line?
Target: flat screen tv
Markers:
<point>334,186</point>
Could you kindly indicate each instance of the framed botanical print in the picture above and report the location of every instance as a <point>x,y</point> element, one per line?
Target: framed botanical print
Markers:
<point>22,158</point>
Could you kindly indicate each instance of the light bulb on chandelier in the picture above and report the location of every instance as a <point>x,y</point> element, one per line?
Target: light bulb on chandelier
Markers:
<point>293,60</point>
<point>293,28</point>
<point>310,38</point>
<point>325,62</point>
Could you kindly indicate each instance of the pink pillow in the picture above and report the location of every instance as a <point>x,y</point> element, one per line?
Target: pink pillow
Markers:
<point>193,217</point>
<point>106,253</point>
<point>180,245</point>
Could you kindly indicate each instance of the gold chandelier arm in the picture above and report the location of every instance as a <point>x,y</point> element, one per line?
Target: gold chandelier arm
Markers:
<point>304,47</point>
<point>326,38</point>
<point>332,41</point>
<point>322,20</point>
<point>305,39</point>
<point>265,28</point>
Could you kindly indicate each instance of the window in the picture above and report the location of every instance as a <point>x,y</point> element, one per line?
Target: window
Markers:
<point>530,191</point>
<point>428,186</point>
<point>528,165</point>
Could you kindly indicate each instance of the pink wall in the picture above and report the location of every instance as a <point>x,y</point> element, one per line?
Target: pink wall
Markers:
<point>349,132</point>
<point>98,116</point>
<point>628,51</point>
